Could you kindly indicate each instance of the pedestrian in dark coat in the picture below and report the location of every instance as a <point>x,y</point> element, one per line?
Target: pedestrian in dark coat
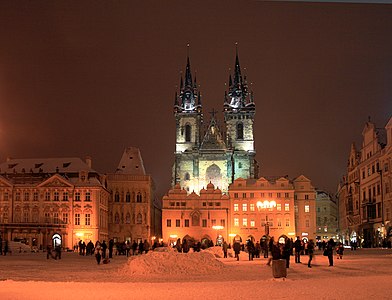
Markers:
<point>98,252</point>
<point>104,247</point>
<point>287,251</point>
<point>134,248</point>
<point>224,248</point>
<point>237,249</point>
<point>141,249</point>
<point>340,251</point>
<point>330,246</point>
<point>297,248</point>
<point>310,252</point>
<point>251,249</point>
<point>111,245</point>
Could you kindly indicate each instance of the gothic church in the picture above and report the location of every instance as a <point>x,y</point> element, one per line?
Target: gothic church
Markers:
<point>205,155</point>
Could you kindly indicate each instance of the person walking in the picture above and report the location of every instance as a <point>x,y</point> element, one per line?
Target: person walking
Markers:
<point>340,251</point>
<point>224,248</point>
<point>310,252</point>
<point>237,249</point>
<point>297,248</point>
<point>104,247</point>
<point>329,248</point>
<point>287,251</point>
<point>251,248</point>
<point>98,252</point>
<point>270,247</point>
<point>134,247</point>
<point>111,245</point>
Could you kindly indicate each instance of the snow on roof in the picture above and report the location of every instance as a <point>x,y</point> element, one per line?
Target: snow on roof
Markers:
<point>45,165</point>
<point>131,162</point>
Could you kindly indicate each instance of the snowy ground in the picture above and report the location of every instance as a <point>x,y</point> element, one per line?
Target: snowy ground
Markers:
<point>363,274</point>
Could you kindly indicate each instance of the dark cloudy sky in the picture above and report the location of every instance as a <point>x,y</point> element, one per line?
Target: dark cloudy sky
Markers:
<point>84,78</point>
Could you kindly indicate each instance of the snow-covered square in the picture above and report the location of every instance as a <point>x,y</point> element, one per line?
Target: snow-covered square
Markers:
<point>361,274</point>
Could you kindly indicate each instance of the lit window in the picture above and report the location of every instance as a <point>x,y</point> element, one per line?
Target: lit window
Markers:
<point>244,207</point>
<point>252,223</point>
<point>287,207</point>
<point>245,222</point>
<point>279,207</point>
<point>307,208</point>
<point>287,222</point>
<point>236,222</point>
<point>252,207</point>
<point>279,222</point>
<point>236,207</point>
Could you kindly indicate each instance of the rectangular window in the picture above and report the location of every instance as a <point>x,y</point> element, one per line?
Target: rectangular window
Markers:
<point>178,224</point>
<point>223,222</point>
<point>244,195</point>
<point>173,203</point>
<point>56,219</point>
<point>88,196</point>
<point>183,203</point>
<point>213,222</point>
<point>65,218</point>
<point>236,222</point>
<point>306,197</point>
<point>245,222</point>
<point>186,224</point>
<point>6,197</point>
<point>210,203</point>
<point>278,195</point>
<point>65,196</point>
<point>26,196</point>
<point>204,223</point>
<point>77,196</point>
<point>56,196</point>
<point>287,222</point>
<point>307,208</point>
<point>236,207</point>
<point>47,217</point>
<point>269,195</point>
<point>252,207</point>
<point>168,222</point>
<point>307,223</point>
<point>252,223</point>
<point>252,195</point>
<point>279,222</point>
<point>262,195</point>
<point>77,219</point>
<point>236,195</point>
<point>204,203</point>
<point>286,207</point>
<point>47,196</point>
<point>87,219</point>
<point>26,216</point>
<point>244,207</point>
<point>35,196</point>
<point>17,196</point>
<point>217,204</point>
<point>278,206</point>
<point>286,195</point>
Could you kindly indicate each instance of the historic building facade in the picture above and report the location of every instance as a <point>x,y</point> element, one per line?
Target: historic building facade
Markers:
<point>216,191</point>
<point>52,201</point>
<point>326,216</point>
<point>134,212</point>
<point>213,156</point>
<point>365,196</point>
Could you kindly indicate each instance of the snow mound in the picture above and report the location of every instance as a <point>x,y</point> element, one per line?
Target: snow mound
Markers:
<point>172,262</point>
<point>218,252</point>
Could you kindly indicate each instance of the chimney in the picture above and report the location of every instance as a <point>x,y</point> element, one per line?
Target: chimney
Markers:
<point>88,161</point>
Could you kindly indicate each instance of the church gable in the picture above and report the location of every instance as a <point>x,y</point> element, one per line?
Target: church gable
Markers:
<point>4,182</point>
<point>213,138</point>
<point>56,181</point>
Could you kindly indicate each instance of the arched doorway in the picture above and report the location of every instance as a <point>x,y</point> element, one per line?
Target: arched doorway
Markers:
<point>56,240</point>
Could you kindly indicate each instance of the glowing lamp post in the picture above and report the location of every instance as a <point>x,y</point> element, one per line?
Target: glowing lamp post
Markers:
<point>263,206</point>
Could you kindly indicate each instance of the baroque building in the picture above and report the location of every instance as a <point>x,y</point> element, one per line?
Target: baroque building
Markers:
<point>213,156</point>
<point>365,196</point>
<point>134,212</point>
<point>52,201</point>
<point>326,216</point>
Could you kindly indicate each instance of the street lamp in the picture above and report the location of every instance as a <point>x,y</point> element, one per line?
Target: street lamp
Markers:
<point>266,205</point>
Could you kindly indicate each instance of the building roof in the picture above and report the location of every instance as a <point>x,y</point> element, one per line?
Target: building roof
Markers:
<point>131,162</point>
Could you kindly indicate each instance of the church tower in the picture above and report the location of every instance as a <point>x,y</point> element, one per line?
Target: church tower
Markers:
<point>189,120</point>
<point>239,112</point>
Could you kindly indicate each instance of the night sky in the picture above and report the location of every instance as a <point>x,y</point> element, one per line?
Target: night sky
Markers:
<point>91,78</point>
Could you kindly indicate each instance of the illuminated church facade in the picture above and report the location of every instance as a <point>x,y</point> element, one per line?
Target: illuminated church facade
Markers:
<point>214,156</point>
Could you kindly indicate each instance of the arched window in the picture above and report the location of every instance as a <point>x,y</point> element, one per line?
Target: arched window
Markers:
<point>240,131</point>
<point>117,218</point>
<point>187,177</point>
<point>213,175</point>
<point>139,197</point>
<point>188,131</point>
<point>128,197</point>
<point>117,197</point>
<point>139,219</point>
<point>128,218</point>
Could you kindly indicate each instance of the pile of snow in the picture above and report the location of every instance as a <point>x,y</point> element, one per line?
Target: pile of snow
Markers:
<point>218,251</point>
<point>172,262</point>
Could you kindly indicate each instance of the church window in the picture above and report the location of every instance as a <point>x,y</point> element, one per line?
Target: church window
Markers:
<point>186,177</point>
<point>117,218</point>
<point>128,218</point>
<point>117,197</point>
<point>139,197</point>
<point>128,197</point>
<point>188,131</point>
<point>240,131</point>
<point>139,219</point>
